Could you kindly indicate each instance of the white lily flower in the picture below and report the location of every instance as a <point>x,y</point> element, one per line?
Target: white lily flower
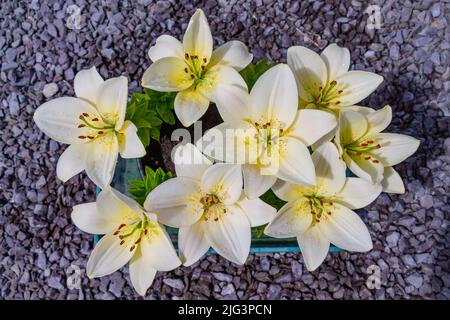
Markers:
<point>205,201</point>
<point>131,235</point>
<point>324,81</point>
<point>93,124</point>
<point>368,152</point>
<point>271,135</point>
<point>194,70</point>
<point>321,215</point>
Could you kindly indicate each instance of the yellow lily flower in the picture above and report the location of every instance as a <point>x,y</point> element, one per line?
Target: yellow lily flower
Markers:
<point>323,214</point>
<point>194,70</point>
<point>131,234</point>
<point>93,124</point>
<point>324,81</point>
<point>370,153</point>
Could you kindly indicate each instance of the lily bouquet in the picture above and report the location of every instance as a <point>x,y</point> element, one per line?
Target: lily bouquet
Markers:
<point>291,128</point>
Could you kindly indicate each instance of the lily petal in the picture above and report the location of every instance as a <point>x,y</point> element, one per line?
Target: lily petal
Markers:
<point>112,100</point>
<point>309,69</point>
<point>287,191</point>
<point>394,147</point>
<point>88,218</point>
<point>198,41</point>
<point>190,105</point>
<point>130,146</point>
<point>314,247</point>
<point>71,162</point>
<point>166,46</point>
<point>352,126</point>
<point>230,236</point>
<point>255,183</point>
<point>296,165</point>
<point>257,211</point>
<point>233,53</point>
<point>379,120</point>
<point>112,203</point>
<point>274,97</point>
<point>230,93</point>
<point>292,219</point>
<point>101,159</point>
<point>225,179</point>
<point>311,125</point>
<point>174,202</point>
<point>365,169</point>
<point>167,74</point>
<point>192,243</point>
<point>392,182</point>
<point>231,141</point>
<point>190,162</point>
<point>59,119</point>
<point>358,193</point>
<point>159,251</point>
<point>142,273</point>
<point>108,256</point>
<point>87,84</point>
<point>330,170</point>
<point>345,229</point>
<point>337,60</point>
<point>357,85</point>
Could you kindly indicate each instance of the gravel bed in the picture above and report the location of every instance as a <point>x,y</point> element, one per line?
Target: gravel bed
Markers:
<point>40,249</point>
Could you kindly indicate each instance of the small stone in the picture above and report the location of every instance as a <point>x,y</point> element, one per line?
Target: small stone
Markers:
<point>222,277</point>
<point>415,280</point>
<point>174,283</point>
<point>426,201</point>
<point>392,239</point>
<point>50,89</point>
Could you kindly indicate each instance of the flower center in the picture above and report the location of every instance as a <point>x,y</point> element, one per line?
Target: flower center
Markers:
<point>196,66</point>
<point>133,232</point>
<point>98,126</point>
<point>328,96</point>
<point>363,149</point>
<point>212,207</point>
<point>319,207</point>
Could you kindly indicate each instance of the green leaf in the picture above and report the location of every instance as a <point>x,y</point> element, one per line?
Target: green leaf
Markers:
<point>270,198</point>
<point>139,189</point>
<point>253,71</point>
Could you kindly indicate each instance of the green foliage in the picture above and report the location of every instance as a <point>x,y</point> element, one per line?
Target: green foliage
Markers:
<point>141,188</point>
<point>148,111</point>
<point>270,198</point>
<point>259,231</point>
<point>253,71</point>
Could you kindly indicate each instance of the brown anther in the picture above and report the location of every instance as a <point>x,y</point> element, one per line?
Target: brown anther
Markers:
<point>81,117</point>
<point>100,132</point>
<point>122,242</point>
<point>95,119</point>
<point>224,210</point>
<point>81,137</point>
<point>116,233</point>
<point>132,248</point>
<point>145,231</point>
<point>340,91</point>
<point>81,125</point>
<point>358,154</point>
<point>320,88</point>
<point>203,67</point>
<point>370,141</point>
<point>364,144</point>
<point>91,137</point>
<point>121,226</point>
<point>367,158</point>
<point>331,203</point>
<point>192,76</point>
<point>338,102</point>
<point>312,212</point>
<point>86,114</point>
<point>205,60</point>
<point>333,83</point>
<point>137,241</point>
<point>216,219</point>
<point>378,146</point>
<point>121,237</point>
<point>329,212</point>
<point>281,130</point>
<point>186,70</point>
<point>321,202</point>
<point>186,56</point>
<point>317,220</point>
<point>375,161</point>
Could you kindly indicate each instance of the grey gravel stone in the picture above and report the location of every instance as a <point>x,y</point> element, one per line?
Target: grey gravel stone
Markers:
<point>409,231</point>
